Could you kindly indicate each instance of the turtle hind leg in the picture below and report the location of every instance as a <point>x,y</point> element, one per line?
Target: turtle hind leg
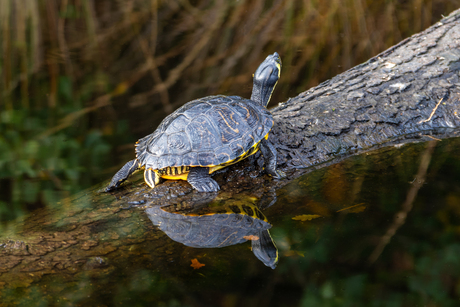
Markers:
<point>269,153</point>
<point>199,179</point>
<point>151,177</point>
<point>123,174</point>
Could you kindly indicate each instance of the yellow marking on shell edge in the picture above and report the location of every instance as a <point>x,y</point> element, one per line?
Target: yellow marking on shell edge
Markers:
<point>250,152</point>
<point>228,210</point>
<point>172,174</point>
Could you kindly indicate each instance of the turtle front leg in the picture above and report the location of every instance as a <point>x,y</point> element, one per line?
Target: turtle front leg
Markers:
<point>199,179</point>
<point>123,174</point>
<point>269,153</point>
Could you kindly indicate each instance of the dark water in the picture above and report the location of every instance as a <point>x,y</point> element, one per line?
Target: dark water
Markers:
<point>118,257</point>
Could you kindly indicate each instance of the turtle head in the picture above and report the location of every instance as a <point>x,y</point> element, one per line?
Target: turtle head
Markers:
<point>265,79</point>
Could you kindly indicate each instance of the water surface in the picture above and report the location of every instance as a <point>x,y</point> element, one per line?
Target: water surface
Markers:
<point>94,249</point>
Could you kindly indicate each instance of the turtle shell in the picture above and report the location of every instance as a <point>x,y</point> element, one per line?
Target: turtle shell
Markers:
<point>209,131</point>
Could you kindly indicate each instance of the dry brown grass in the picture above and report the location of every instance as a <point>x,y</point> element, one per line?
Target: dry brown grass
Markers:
<point>159,54</point>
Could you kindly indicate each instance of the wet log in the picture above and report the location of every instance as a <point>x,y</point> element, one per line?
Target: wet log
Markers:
<point>407,93</point>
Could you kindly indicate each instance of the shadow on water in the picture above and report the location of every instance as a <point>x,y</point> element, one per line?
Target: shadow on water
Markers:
<point>379,228</point>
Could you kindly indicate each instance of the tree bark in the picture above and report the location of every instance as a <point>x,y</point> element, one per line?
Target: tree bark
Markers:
<point>384,101</point>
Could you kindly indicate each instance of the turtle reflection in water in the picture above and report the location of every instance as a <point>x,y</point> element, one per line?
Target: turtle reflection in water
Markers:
<point>217,227</point>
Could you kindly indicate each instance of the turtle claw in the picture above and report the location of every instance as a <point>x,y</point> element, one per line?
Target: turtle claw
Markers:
<point>279,174</point>
<point>214,186</point>
<point>200,180</point>
<point>209,186</point>
<point>276,174</point>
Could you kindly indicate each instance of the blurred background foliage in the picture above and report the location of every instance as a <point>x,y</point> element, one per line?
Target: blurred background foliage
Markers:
<point>81,80</point>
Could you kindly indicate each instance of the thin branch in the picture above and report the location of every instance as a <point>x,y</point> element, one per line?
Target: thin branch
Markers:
<point>432,112</point>
<point>400,217</point>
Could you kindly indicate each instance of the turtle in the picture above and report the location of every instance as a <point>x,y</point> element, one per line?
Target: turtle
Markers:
<point>208,134</point>
<point>215,227</point>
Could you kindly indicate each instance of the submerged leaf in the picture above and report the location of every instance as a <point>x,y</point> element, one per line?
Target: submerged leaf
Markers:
<point>196,264</point>
<point>306,217</point>
<point>354,209</point>
<point>292,253</point>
